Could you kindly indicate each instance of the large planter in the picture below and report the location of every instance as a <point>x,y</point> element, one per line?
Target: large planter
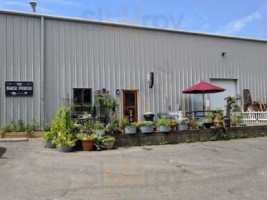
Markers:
<point>50,145</point>
<point>87,145</point>
<point>100,131</point>
<point>165,129</point>
<point>64,149</point>
<point>130,130</point>
<point>109,144</point>
<point>146,129</point>
<point>183,127</point>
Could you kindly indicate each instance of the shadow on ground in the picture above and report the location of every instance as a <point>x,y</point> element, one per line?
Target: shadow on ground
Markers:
<point>2,151</point>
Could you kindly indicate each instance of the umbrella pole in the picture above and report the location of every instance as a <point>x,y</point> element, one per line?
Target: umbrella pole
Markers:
<point>203,103</point>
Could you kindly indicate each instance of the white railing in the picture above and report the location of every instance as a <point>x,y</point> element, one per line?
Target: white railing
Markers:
<point>256,117</point>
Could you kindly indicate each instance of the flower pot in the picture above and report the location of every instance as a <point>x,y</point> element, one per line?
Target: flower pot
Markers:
<point>146,129</point>
<point>183,127</point>
<point>100,131</point>
<point>165,129</point>
<point>130,130</point>
<point>64,149</point>
<point>109,144</point>
<point>88,145</point>
<point>50,145</point>
<point>207,125</point>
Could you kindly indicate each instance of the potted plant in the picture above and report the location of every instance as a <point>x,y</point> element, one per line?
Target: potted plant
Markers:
<point>193,124</point>
<point>113,127</point>
<point>122,123</point>
<point>108,141</point>
<point>49,137</point>
<point>200,124</point>
<point>87,141</point>
<point>183,124</point>
<point>145,126</point>
<point>164,125</point>
<point>234,121</point>
<point>208,120</point>
<point>65,142</point>
<point>99,128</point>
<point>130,128</point>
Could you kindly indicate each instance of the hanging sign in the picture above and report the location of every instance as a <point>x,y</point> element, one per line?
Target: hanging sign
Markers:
<point>19,88</point>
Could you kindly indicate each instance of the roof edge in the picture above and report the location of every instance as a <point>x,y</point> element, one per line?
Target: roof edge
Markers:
<point>83,20</point>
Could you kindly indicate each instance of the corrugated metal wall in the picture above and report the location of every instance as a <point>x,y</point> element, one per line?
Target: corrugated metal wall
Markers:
<point>101,56</point>
<point>81,55</point>
<point>19,61</point>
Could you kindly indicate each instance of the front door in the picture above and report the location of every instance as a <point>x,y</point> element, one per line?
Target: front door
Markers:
<point>130,105</point>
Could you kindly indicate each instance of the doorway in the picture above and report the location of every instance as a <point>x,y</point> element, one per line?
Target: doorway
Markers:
<point>130,105</point>
<point>217,99</point>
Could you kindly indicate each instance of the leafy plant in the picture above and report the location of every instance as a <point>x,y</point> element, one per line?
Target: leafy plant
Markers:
<point>31,127</point>
<point>113,126</point>
<point>208,119</point>
<point>193,124</point>
<point>7,128</point>
<point>145,123</point>
<point>84,136</point>
<point>183,121</point>
<point>123,121</point>
<point>49,136</point>
<point>131,124</point>
<point>64,139</point>
<point>231,105</point>
<point>164,121</point>
<point>108,138</point>
<point>98,126</point>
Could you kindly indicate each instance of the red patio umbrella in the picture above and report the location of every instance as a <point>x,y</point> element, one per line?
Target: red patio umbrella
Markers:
<point>203,88</point>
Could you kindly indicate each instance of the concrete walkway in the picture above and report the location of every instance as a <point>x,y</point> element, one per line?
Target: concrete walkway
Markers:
<point>233,170</point>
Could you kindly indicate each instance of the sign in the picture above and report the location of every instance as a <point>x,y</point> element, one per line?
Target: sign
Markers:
<point>131,114</point>
<point>19,88</point>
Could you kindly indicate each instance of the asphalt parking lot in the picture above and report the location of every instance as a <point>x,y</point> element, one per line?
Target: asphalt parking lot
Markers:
<point>235,169</point>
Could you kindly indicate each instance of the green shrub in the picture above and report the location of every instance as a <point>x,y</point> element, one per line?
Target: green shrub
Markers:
<point>84,136</point>
<point>145,123</point>
<point>64,139</point>
<point>164,121</point>
<point>108,138</point>
<point>98,126</point>
<point>7,128</point>
<point>49,136</point>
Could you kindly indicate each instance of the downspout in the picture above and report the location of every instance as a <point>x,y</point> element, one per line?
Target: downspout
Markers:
<point>42,74</point>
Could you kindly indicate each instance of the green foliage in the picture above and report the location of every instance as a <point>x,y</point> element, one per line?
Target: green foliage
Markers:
<point>113,126</point>
<point>84,136</point>
<point>144,123</point>
<point>64,139</point>
<point>98,126</point>
<point>193,124</point>
<point>183,121</point>
<point>164,121</point>
<point>106,102</point>
<point>45,126</point>
<point>62,121</point>
<point>190,141</point>
<point>123,121</point>
<point>19,126</point>
<point>108,138</point>
<point>49,136</point>
<point>231,105</point>
<point>131,124</point>
<point>7,128</point>
<point>209,117</point>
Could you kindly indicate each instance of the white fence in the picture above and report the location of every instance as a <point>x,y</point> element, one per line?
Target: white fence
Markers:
<point>256,117</point>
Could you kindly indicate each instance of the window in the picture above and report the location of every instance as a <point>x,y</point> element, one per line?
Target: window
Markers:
<point>82,96</point>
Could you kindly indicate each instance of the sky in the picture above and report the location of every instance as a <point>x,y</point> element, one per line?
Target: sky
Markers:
<point>243,18</point>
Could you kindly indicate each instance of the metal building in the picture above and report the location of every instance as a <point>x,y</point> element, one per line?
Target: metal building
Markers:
<point>59,54</point>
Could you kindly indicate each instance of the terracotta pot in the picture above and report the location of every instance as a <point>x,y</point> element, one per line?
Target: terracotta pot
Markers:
<point>87,145</point>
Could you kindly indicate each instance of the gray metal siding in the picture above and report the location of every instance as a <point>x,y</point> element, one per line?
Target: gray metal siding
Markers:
<point>90,55</point>
<point>101,56</point>
<point>20,61</point>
